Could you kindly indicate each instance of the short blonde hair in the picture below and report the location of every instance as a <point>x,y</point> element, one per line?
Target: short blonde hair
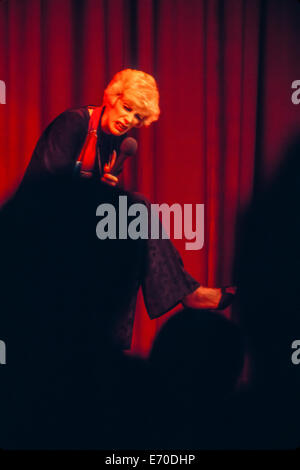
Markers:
<point>139,88</point>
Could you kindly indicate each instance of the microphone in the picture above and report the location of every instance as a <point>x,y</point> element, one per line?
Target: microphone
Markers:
<point>128,149</point>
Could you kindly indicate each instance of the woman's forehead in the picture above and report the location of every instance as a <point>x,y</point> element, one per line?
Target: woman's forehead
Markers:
<point>134,103</point>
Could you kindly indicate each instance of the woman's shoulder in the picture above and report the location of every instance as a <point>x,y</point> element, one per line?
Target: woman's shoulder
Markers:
<point>74,113</point>
<point>73,119</point>
<point>74,116</point>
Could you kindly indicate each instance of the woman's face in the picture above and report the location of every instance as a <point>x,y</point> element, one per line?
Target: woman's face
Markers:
<point>121,117</point>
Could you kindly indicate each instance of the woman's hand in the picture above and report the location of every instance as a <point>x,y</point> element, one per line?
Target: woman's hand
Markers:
<point>108,178</point>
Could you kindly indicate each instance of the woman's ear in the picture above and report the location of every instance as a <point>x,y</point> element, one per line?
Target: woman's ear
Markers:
<point>110,101</point>
<point>114,100</point>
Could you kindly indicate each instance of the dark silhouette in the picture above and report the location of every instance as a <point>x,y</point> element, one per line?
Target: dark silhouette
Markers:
<point>197,359</point>
<point>65,295</point>
<point>267,269</point>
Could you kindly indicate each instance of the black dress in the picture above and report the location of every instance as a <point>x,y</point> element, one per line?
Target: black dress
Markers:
<point>161,275</point>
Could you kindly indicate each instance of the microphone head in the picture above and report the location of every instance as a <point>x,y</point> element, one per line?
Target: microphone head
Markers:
<point>129,146</point>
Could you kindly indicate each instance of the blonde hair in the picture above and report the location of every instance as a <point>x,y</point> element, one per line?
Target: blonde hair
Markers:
<point>139,88</point>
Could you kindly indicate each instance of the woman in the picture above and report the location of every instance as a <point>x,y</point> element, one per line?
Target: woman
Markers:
<point>130,100</point>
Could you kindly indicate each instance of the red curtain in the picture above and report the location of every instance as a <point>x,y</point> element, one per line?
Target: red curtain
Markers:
<point>224,70</point>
